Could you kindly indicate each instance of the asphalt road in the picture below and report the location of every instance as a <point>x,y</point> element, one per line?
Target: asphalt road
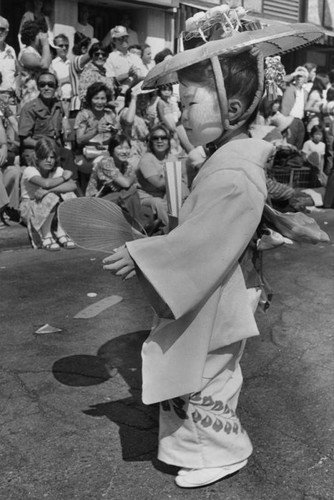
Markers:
<point>72,422</point>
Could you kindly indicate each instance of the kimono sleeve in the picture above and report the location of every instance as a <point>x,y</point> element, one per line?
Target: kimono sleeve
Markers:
<point>186,266</point>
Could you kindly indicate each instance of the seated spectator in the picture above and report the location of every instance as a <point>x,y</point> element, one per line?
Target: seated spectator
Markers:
<point>314,152</point>
<point>94,126</point>
<point>43,187</point>
<point>150,173</point>
<point>10,171</point>
<point>114,178</point>
<point>136,120</point>
<point>8,62</point>
<point>33,58</point>
<point>44,117</point>
<point>61,67</point>
<point>169,113</point>
<point>95,71</point>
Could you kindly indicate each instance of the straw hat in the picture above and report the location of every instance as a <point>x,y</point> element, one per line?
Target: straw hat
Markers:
<point>271,40</point>
<point>224,31</point>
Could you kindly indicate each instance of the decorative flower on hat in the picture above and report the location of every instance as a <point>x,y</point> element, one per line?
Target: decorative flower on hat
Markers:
<point>274,75</point>
<point>218,22</point>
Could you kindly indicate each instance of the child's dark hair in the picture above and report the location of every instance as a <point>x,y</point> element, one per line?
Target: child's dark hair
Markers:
<point>43,148</point>
<point>117,140</point>
<point>330,94</point>
<point>316,129</point>
<point>240,72</point>
<point>94,89</point>
<point>166,86</point>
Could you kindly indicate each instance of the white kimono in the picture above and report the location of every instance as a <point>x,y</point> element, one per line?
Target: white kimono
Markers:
<point>194,270</point>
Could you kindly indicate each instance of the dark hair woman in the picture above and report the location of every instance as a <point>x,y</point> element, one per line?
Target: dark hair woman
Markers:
<point>94,126</point>
<point>95,71</point>
<point>114,178</point>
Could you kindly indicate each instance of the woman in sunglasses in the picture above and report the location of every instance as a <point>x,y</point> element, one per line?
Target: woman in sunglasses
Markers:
<point>95,71</point>
<point>151,176</point>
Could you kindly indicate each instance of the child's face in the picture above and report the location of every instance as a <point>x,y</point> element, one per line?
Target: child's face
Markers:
<point>201,116</point>
<point>317,137</point>
<point>47,164</point>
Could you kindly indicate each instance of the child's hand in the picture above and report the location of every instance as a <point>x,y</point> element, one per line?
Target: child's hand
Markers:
<point>120,263</point>
<point>40,193</point>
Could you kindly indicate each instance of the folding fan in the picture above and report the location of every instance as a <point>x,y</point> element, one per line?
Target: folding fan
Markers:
<point>96,224</point>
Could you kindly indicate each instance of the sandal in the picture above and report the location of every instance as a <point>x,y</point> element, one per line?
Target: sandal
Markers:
<point>50,244</point>
<point>66,242</point>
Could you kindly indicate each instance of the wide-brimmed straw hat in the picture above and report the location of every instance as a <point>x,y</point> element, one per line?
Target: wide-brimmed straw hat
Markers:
<point>222,31</point>
<point>272,40</point>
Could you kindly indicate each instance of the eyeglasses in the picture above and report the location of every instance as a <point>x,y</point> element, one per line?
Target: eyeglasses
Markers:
<point>41,85</point>
<point>160,138</point>
<point>100,54</point>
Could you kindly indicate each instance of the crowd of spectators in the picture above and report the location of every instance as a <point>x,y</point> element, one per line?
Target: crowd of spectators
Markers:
<point>80,124</point>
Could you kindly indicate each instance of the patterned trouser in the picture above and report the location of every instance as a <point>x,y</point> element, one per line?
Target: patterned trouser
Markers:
<point>201,429</point>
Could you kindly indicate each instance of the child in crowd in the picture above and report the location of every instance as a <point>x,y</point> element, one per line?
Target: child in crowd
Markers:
<point>314,152</point>
<point>192,275</point>
<point>43,187</point>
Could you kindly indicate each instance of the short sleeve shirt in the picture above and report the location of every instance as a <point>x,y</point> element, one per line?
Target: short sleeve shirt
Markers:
<point>28,189</point>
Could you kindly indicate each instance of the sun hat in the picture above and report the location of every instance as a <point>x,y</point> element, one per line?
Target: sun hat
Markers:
<point>4,23</point>
<point>118,32</point>
<point>222,31</point>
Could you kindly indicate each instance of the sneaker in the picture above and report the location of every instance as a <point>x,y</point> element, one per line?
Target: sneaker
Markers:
<point>194,478</point>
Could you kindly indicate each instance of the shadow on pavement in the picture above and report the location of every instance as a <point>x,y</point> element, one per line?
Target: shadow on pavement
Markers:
<point>80,370</point>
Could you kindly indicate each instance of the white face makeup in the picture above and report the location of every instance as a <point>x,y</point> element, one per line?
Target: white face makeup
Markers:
<point>201,115</point>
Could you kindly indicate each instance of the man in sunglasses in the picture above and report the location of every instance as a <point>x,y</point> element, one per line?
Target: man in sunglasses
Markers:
<point>44,117</point>
<point>61,67</point>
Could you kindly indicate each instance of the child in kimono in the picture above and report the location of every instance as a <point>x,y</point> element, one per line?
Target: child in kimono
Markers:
<point>192,276</point>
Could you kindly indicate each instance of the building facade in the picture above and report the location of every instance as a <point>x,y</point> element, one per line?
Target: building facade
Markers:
<point>158,22</point>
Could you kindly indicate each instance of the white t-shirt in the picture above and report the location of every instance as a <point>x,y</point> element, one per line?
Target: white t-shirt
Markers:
<point>297,110</point>
<point>28,189</point>
<point>62,70</point>
<point>117,63</point>
<point>310,147</point>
